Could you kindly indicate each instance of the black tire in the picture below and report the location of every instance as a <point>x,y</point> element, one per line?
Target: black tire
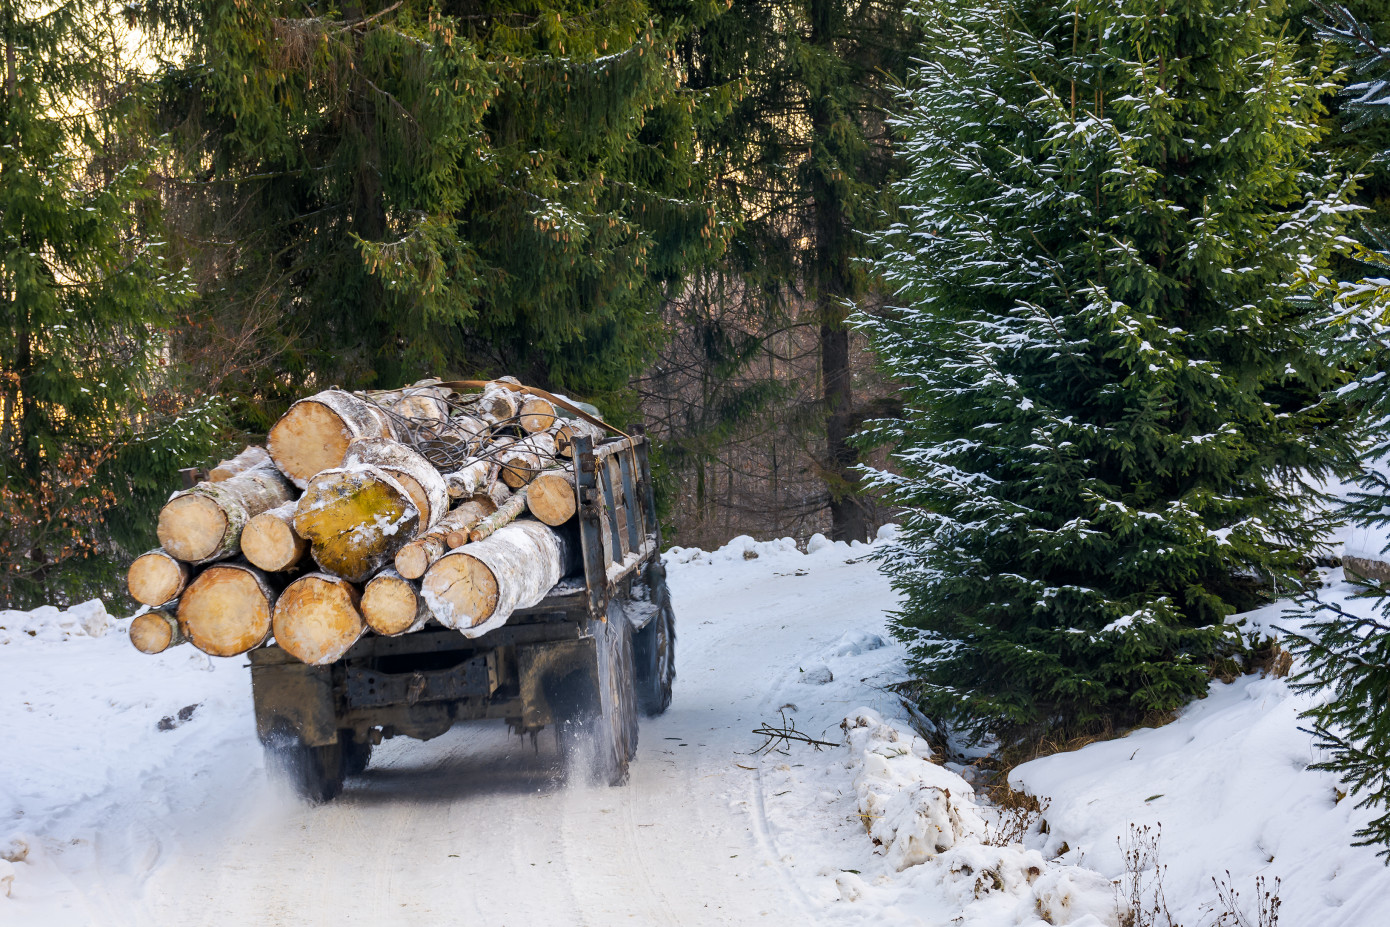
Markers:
<point>356,754</point>
<point>315,774</point>
<point>654,648</point>
<point>596,728</point>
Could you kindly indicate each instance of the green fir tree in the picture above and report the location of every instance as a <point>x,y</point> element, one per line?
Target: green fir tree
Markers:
<point>1109,210</point>
<point>91,426</point>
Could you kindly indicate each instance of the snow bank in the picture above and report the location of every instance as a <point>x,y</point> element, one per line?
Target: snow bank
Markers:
<point>49,624</point>
<point>920,814</point>
<point>1230,785</point>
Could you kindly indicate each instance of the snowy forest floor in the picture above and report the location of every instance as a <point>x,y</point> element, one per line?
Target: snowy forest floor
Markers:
<point>132,791</point>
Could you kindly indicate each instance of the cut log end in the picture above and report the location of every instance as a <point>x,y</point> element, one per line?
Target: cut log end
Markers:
<point>309,438</point>
<point>356,520</point>
<point>192,527</point>
<point>550,497</point>
<point>317,619</point>
<point>227,610</point>
<point>155,632</point>
<point>460,590</point>
<point>537,414</point>
<point>269,541</point>
<point>156,578</point>
<point>391,605</point>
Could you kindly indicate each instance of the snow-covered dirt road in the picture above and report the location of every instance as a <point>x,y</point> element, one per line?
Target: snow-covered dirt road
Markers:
<point>131,824</point>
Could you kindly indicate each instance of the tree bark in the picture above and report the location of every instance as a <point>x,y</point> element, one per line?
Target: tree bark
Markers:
<point>504,515</point>
<point>537,414</point>
<point>355,520</point>
<point>550,497</point>
<point>226,610</point>
<point>415,558</point>
<point>576,428</point>
<point>499,404</point>
<point>421,480</point>
<point>155,632</point>
<point>477,587</point>
<point>466,481</point>
<point>269,540</point>
<point>318,618</point>
<point>156,578</point>
<point>392,605</point>
<point>249,459</point>
<point>204,524</point>
<point>315,433</point>
<point>522,461</point>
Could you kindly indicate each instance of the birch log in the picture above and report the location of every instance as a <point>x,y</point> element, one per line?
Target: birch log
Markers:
<point>576,428</point>
<point>469,479</point>
<point>205,523</point>
<point>317,618</point>
<point>550,497</point>
<point>415,558</point>
<point>499,404</point>
<point>504,515</point>
<point>476,588</point>
<point>355,520</point>
<point>496,492</point>
<point>269,540</point>
<point>156,578</point>
<point>249,459</point>
<point>392,604</point>
<point>526,458</point>
<point>421,480</point>
<point>537,414</point>
<point>155,632</point>
<point>315,433</point>
<point>226,610</point>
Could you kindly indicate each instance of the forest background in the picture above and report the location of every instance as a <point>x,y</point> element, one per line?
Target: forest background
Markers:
<point>212,207</point>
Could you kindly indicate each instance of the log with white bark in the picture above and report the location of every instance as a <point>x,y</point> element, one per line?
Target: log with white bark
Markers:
<point>392,604</point>
<point>497,492</point>
<point>550,497</point>
<point>421,480</point>
<point>156,578</point>
<point>576,428</point>
<point>269,540</point>
<point>537,414</point>
<point>205,523</point>
<point>499,404</point>
<point>315,433</point>
<point>477,587</point>
<point>318,618</point>
<point>526,458</point>
<point>156,631</point>
<point>508,512</point>
<point>249,459</point>
<point>355,519</point>
<point>415,558</point>
<point>423,405</point>
<point>469,479</point>
<point>226,610</point>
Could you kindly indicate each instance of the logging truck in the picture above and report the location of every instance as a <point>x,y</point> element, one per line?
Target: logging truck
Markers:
<point>595,651</point>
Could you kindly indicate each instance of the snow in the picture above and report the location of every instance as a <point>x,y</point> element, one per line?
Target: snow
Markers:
<point>133,791</point>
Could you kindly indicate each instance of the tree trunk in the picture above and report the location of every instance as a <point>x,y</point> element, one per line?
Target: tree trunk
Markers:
<point>421,480</point>
<point>537,414</point>
<point>550,497</point>
<point>155,632</point>
<point>392,604</point>
<point>156,578</point>
<point>499,404</point>
<point>315,433</point>
<point>465,482</point>
<point>415,558</point>
<point>355,520</point>
<point>522,461</point>
<point>249,459</point>
<point>269,540</point>
<point>476,588</point>
<point>205,523</point>
<point>504,515</point>
<point>318,618</point>
<point>226,610</point>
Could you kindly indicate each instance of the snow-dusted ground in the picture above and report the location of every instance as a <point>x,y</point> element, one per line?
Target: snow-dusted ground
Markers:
<point>136,785</point>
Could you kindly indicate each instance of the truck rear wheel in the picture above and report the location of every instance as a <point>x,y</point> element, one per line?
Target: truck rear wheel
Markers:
<point>596,728</point>
<point>655,652</point>
<point>315,774</point>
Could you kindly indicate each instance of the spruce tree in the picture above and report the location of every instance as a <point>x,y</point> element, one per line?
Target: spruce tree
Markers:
<point>1345,648</point>
<point>1109,209</point>
<point>91,431</point>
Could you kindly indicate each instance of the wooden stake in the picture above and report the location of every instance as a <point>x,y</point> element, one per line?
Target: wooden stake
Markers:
<point>156,578</point>
<point>226,610</point>
<point>205,523</point>
<point>392,605</point>
<point>317,618</point>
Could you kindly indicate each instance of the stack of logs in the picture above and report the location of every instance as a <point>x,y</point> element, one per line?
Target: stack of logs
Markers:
<point>377,511</point>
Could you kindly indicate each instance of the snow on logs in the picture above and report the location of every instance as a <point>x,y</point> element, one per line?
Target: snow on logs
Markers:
<point>204,523</point>
<point>317,618</point>
<point>156,578</point>
<point>478,586</point>
<point>407,509</point>
<point>226,611</point>
<point>355,519</point>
